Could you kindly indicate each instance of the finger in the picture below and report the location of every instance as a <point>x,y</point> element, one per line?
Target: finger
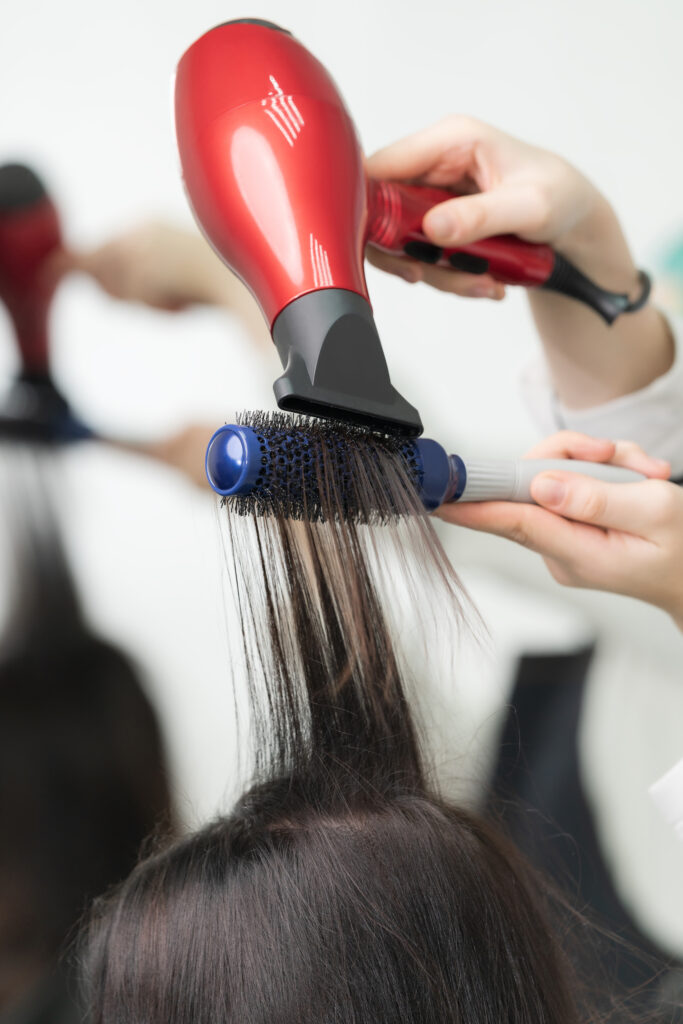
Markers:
<point>570,444</point>
<point>401,266</point>
<point>501,210</point>
<point>532,527</point>
<point>473,286</point>
<point>631,456</point>
<point>469,285</point>
<point>417,154</point>
<point>636,508</point>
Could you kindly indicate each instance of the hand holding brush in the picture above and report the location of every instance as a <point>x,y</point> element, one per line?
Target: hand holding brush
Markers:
<point>591,533</point>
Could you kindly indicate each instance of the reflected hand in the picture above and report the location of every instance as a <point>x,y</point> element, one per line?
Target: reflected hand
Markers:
<point>158,265</point>
<point>513,188</point>
<point>185,451</point>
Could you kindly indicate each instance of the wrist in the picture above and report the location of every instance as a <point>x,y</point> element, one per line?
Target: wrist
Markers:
<point>597,246</point>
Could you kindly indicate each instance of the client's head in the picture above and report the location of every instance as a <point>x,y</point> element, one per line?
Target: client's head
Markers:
<point>391,910</point>
<point>342,889</point>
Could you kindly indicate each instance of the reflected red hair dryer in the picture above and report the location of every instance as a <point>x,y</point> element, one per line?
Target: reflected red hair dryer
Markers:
<point>274,173</point>
<point>30,235</point>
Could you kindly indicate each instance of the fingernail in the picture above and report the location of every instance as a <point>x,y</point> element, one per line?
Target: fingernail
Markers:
<point>547,491</point>
<point>482,292</point>
<point>439,226</point>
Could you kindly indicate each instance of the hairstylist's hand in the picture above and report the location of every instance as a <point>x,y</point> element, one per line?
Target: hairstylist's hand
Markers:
<point>627,538</point>
<point>514,188</point>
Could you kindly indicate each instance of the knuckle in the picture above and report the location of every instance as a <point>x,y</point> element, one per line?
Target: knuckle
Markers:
<point>540,208</point>
<point>592,506</point>
<point>559,573</point>
<point>461,122</point>
<point>568,437</point>
<point>627,449</point>
<point>520,534</point>
<point>666,501</point>
<point>473,218</point>
<point>567,575</point>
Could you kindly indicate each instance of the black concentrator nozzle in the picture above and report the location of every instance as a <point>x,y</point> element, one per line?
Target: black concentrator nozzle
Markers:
<point>334,364</point>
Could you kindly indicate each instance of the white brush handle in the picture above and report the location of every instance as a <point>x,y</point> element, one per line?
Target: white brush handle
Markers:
<point>510,480</point>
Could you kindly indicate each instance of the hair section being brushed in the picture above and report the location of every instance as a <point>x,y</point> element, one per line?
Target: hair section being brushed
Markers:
<point>342,889</point>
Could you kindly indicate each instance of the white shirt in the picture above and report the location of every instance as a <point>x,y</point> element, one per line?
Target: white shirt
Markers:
<point>632,724</point>
<point>652,417</point>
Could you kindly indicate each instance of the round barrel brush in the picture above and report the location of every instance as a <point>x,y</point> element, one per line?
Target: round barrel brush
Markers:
<point>305,468</point>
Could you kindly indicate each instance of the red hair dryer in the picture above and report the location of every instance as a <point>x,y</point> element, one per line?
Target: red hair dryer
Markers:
<point>274,173</point>
<point>30,235</point>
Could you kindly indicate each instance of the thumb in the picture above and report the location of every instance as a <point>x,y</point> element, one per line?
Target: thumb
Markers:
<point>506,209</point>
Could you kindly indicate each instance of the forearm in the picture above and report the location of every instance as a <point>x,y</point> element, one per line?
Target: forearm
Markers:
<point>590,362</point>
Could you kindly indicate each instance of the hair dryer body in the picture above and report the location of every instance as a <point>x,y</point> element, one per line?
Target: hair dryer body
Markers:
<point>274,173</point>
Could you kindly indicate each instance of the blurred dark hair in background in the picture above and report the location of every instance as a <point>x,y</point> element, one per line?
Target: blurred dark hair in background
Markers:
<point>82,767</point>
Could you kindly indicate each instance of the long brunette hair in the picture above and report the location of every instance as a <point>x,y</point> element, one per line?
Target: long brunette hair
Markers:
<point>342,888</point>
<point>82,767</point>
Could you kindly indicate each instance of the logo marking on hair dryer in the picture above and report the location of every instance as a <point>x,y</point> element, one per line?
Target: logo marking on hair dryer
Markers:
<point>283,112</point>
<point>322,275</point>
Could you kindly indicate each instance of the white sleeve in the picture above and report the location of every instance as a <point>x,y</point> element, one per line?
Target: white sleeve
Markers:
<point>652,417</point>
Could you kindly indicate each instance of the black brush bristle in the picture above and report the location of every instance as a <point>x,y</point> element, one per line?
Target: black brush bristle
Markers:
<point>318,470</point>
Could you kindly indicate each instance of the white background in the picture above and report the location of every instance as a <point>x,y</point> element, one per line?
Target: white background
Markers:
<point>85,98</point>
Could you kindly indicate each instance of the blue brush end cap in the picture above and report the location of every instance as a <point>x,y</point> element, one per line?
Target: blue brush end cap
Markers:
<point>435,473</point>
<point>233,460</point>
